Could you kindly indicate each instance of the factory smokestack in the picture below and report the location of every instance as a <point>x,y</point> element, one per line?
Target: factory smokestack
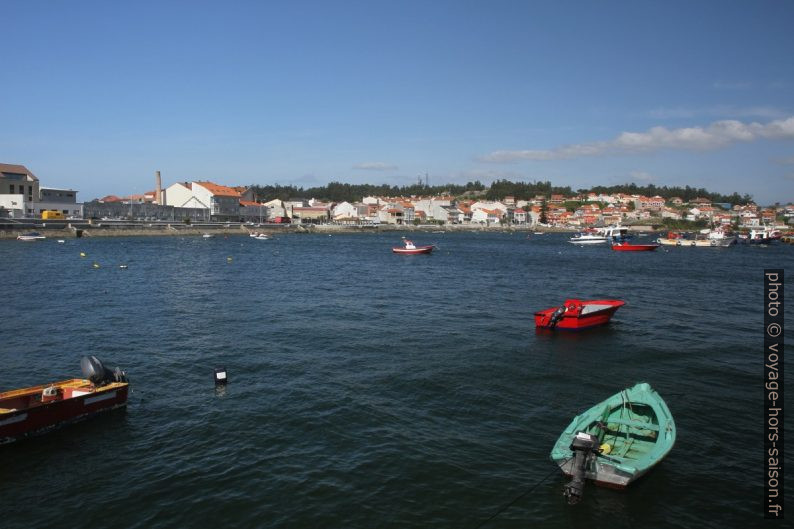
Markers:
<point>159,192</point>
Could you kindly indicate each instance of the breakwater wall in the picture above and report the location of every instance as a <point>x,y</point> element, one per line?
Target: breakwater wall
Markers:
<point>71,229</point>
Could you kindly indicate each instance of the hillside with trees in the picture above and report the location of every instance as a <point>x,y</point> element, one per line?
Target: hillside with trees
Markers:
<point>339,192</point>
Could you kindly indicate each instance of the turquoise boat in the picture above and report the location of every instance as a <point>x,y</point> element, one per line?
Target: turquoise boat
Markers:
<point>616,441</point>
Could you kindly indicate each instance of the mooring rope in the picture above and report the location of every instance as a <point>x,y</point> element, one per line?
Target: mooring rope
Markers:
<point>517,498</point>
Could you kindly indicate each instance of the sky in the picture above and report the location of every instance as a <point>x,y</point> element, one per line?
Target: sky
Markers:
<point>97,96</point>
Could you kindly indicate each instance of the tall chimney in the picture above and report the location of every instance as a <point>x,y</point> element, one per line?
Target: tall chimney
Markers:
<point>159,192</point>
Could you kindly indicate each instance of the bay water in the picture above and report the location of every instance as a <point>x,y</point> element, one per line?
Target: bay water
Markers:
<point>368,389</point>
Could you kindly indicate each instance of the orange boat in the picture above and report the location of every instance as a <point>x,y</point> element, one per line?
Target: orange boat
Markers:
<point>38,409</point>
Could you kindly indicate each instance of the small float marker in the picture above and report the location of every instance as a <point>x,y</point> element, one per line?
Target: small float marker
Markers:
<point>82,254</point>
<point>228,259</point>
<point>220,376</point>
<point>123,267</point>
<point>95,265</point>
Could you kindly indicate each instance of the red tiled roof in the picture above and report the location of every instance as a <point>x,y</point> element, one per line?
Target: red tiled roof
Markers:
<point>219,190</point>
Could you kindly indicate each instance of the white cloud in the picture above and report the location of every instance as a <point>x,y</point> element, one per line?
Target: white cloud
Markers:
<point>375,166</point>
<point>714,136</point>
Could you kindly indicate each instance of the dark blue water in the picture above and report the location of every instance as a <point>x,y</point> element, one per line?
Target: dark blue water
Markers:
<point>375,390</point>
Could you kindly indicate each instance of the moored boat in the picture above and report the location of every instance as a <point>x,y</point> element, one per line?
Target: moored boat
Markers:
<point>576,314</point>
<point>32,236</point>
<point>707,238</point>
<point>601,235</point>
<point>409,248</point>
<point>762,235</point>
<point>37,409</point>
<point>629,247</point>
<point>588,236</point>
<point>615,442</point>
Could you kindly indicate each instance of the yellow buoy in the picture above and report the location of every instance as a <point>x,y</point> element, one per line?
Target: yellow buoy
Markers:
<point>228,259</point>
<point>82,254</point>
<point>605,448</point>
<point>95,265</point>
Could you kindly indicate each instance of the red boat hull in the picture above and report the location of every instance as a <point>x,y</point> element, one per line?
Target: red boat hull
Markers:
<point>413,251</point>
<point>31,417</point>
<point>579,314</point>
<point>626,247</point>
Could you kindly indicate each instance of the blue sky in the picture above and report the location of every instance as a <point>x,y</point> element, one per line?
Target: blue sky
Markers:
<point>96,96</point>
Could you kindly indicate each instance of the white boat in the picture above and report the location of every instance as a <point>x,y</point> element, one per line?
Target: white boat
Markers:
<point>32,236</point>
<point>761,235</point>
<point>587,238</point>
<point>208,236</point>
<point>259,236</point>
<point>601,235</point>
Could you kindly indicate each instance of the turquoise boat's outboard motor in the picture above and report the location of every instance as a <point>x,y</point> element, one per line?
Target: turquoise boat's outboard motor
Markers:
<point>583,446</point>
<point>98,374</point>
<point>555,316</point>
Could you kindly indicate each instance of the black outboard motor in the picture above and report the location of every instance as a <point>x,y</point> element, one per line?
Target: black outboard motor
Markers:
<point>555,316</point>
<point>583,446</point>
<point>98,374</point>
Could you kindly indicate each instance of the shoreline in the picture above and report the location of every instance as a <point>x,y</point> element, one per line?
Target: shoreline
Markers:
<point>71,230</point>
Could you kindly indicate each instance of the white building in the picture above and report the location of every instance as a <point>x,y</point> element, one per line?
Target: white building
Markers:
<point>488,205</point>
<point>220,201</point>
<point>277,208</point>
<point>344,211</point>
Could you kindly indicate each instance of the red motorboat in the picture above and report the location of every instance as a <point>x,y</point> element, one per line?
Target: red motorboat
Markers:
<point>576,314</point>
<point>38,409</point>
<point>410,248</point>
<point>628,247</point>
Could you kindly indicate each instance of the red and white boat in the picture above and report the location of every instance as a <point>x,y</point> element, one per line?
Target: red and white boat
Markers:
<point>576,314</point>
<point>629,247</point>
<point>410,248</point>
<point>38,409</point>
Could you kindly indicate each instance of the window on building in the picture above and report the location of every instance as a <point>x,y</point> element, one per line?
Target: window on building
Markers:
<point>11,189</point>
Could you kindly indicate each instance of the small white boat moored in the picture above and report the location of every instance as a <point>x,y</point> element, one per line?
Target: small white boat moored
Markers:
<point>32,236</point>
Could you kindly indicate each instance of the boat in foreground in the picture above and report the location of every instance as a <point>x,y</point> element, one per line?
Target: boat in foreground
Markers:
<point>615,442</point>
<point>38,409</point>
<point>32,236</point>
<point>576,314</point>
<point>409,248</point>
<point>628,247</point>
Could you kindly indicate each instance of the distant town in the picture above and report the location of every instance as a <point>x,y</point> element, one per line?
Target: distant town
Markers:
<point>23,197</point>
